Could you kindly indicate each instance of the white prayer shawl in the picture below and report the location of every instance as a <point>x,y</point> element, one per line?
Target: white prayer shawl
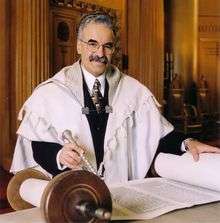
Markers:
<point>133,131</point>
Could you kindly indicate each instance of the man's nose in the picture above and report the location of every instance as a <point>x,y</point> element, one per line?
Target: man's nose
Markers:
<point>100,52</point>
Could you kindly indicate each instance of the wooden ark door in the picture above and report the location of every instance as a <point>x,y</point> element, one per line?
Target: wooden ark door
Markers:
<point>63,37</point>
<point>64,17</point>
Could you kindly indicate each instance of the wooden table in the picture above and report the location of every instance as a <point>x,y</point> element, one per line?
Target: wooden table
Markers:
<point>209,213</point>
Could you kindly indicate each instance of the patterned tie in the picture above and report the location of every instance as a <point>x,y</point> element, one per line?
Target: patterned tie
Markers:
<point>97,96</point>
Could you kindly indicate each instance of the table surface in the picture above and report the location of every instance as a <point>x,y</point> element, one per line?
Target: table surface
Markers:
<point>208,213</point>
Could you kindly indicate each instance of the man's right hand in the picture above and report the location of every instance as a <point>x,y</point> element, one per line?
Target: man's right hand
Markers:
<point>70,156</point>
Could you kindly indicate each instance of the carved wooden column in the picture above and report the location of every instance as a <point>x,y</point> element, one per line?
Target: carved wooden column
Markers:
<point>183,27</point>
<point>29,54</point>
<point>146,43</point>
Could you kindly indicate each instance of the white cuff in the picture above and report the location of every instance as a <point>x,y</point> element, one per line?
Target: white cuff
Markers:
<point>59,165</point>
<point>183,147</point>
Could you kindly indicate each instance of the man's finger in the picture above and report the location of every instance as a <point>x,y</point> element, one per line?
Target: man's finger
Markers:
<point>209,149</point>
<point>195,154</point>
<point>75,147</point>
<point>75,156</point>
<point>196,157</point>
<point>214,150</point>
<point>79,150</point>
<point>69,162</point>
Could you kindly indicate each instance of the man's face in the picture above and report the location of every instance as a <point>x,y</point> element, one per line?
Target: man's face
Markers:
<point>94,45</point>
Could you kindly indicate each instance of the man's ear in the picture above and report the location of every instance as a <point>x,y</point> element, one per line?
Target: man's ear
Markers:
<point>78,46</point>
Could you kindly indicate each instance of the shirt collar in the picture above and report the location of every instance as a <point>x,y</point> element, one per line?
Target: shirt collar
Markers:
<point>90,79</point>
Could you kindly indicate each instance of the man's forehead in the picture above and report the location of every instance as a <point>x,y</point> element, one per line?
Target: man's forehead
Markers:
<point>97,31</point>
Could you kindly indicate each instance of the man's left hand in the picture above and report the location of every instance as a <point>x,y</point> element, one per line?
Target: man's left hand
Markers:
<point>196,147</point>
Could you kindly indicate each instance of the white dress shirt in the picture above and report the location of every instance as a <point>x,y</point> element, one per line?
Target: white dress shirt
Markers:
<point>90,80</point>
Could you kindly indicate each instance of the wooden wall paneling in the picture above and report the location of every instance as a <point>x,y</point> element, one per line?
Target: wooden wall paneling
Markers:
<point>133,27</point>
<point>209,62</point>
<point>152,46</point>
<point>209,52</point>
<point>209,26</point>
<point>209,7</point>
<point>29,56</point>
<point>146,43</point>
<point>4,77</point>
<point>114,4</point>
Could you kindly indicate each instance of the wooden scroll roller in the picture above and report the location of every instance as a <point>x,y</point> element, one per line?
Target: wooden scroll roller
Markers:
<point>72,196</point>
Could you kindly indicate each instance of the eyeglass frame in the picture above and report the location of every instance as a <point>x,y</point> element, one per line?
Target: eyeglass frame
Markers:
<point>89,44</point>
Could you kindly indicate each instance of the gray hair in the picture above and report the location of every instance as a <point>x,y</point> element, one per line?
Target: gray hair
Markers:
<point>96,17</point>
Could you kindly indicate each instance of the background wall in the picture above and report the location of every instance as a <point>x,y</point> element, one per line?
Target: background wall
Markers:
<point>209,49</point>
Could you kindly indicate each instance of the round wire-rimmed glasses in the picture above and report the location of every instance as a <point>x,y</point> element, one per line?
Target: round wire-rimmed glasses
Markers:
<point>93,46</point>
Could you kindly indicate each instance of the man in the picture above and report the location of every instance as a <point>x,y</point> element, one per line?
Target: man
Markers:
<point>113,119</point>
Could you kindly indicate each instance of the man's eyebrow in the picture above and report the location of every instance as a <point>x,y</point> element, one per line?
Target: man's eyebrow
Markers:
<point>109,43</point>
<point>92,41</point>
<point>95,41</point>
